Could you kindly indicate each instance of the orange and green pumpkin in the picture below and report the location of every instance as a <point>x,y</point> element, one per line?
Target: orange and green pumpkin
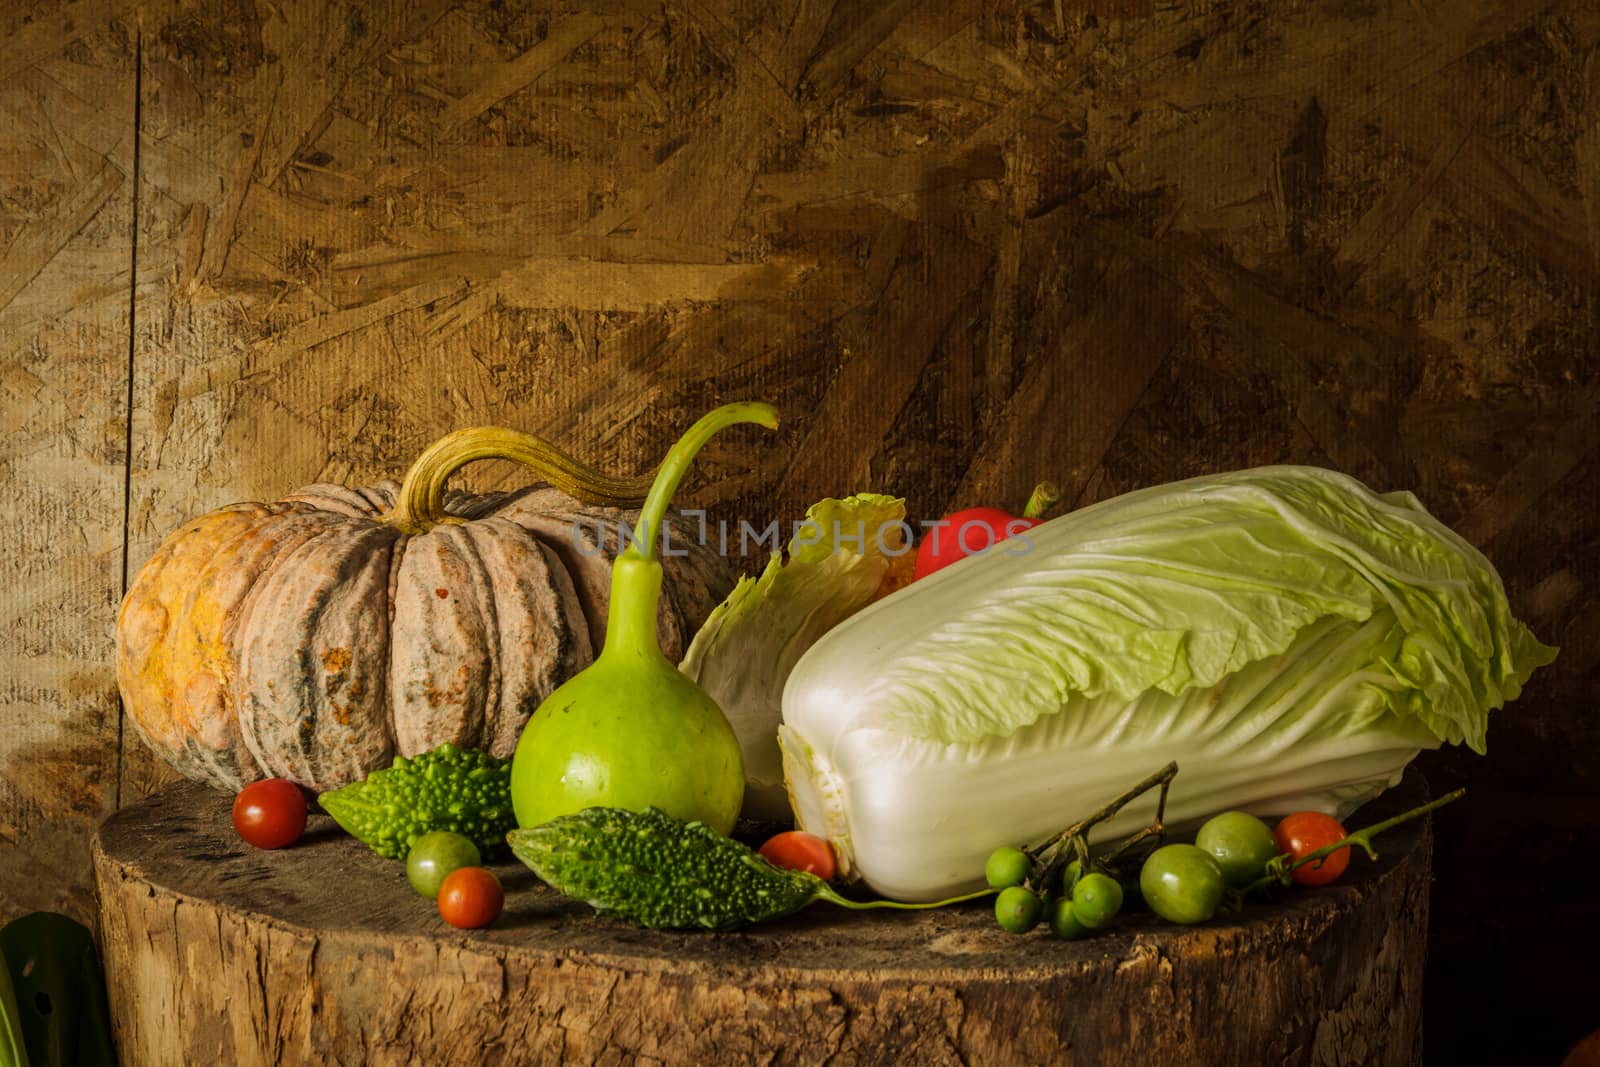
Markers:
<point>319,636</point>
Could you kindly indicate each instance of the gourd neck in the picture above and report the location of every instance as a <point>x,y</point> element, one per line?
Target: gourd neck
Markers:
<point>635,599</point>
<point>636,574</point>
<point>676,464</point>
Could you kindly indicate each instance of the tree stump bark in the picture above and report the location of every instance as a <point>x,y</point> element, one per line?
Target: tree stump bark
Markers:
<point>218,953</point>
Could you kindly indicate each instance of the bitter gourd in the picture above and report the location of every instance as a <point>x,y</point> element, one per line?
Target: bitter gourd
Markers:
<point>658,871</point>
<point>458,789</point>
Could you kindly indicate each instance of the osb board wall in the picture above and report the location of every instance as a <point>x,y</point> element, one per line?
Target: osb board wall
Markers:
<point>66,196</point>
<point>963,246</point>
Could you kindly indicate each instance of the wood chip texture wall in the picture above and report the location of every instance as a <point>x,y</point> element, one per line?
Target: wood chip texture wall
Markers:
<point>964,246</point>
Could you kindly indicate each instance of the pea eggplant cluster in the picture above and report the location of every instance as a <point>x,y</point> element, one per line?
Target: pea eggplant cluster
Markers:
<point>1182,883</point>
<point>1234,855</point>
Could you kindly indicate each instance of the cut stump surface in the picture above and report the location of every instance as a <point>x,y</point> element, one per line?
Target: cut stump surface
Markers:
<point>321,953</point>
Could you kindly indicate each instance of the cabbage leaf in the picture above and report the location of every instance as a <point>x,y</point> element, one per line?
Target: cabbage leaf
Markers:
<point>743,653</point>
<point>1177,588</point>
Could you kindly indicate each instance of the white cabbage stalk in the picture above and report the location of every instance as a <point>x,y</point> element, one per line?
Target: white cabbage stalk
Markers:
<point>742,656</point>
<point>1290,638</point>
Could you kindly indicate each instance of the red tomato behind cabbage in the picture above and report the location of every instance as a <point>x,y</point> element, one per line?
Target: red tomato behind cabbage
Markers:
<point>964,533</point>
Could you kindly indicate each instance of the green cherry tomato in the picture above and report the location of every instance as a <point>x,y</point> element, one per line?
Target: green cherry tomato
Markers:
<point>1096,899</point>
<point>1240,843</point>
<point>1007,867</point>
<point>1070,875</point>
<point>434,856</point>
<point>1182,883</point>
<point>1064,920</point>
<point>1017,909</point>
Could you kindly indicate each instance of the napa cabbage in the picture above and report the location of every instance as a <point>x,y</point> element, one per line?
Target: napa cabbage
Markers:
<point>1291,638</point>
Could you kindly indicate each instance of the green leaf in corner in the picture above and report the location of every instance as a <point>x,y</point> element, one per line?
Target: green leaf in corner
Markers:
<point>13,1049</point>
<point>59,992</point>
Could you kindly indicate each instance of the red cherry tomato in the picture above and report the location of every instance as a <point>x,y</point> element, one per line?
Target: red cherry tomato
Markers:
<point>964,533</point>
<point>270,813</point>
<point>471,898</point>
<point>1303,833</point>
<point>796,850</point>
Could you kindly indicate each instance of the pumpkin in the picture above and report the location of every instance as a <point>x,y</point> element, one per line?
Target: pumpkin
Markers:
<point>318,636</point>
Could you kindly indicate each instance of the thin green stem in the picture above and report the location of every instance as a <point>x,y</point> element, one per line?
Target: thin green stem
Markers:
<point>1278,872</point>
<point>636,574</point>
<point>1075,837</point>
<point>1155,829</point>
<point>1163,778</point>
<point>676,465</point>
<point>1044,497</point>
<point>827,893</point>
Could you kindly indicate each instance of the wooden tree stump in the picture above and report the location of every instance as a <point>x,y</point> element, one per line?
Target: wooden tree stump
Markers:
<point>219,953</point>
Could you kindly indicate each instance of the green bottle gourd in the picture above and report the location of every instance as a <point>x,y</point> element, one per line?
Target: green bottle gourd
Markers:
<point>630,730</point>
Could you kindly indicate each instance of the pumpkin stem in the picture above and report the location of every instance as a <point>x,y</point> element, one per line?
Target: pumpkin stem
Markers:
<point>420,505</point>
